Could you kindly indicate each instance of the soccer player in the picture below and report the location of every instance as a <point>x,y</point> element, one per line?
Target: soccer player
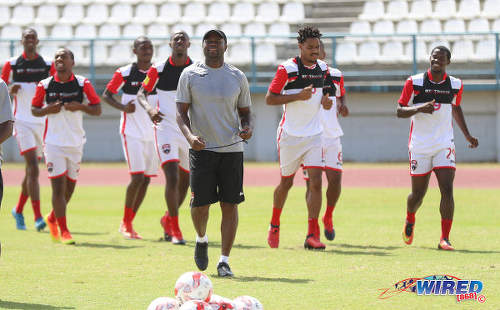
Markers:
<point>298,86</point>
<point>171,145</point>
<point>64,135</point>
<point>136,130</point>
<point>332,146</point>
<point>435,97</point>
<point>217,97</point>
<point>24,73</point>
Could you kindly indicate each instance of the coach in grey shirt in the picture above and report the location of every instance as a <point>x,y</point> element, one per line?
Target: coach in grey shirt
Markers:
<point>213,105</point>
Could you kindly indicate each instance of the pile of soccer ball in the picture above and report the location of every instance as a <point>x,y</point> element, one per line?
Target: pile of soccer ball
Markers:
<point>194,291</point>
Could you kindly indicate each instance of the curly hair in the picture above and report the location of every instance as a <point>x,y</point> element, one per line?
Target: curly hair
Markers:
<point>307,32</point>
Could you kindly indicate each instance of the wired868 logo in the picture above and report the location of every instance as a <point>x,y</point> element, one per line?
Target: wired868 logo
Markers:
<point>442,285</point>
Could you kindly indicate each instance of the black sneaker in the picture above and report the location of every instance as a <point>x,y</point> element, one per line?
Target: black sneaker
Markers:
<point>201,255</point>
<point>167,237</point>
<point>224,270</point>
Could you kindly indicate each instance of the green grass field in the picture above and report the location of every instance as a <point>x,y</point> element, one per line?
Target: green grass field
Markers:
<point>104,271</point>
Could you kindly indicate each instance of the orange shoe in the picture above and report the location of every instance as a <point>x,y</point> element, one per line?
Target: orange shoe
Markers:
<point>273,237</point>
<point>313,243</point>
<point>53,229</point>
<point>167,228</point>
<point>408,232</point>
<point>444,244</point>
<point>66,238</point>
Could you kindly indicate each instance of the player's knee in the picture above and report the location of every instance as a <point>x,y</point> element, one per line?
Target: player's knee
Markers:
<point>446,191</point>
<point>137,179</point>
<point>417,196</point>
<point>286,183</point>
<point>32,171</point>
<point>315,183</point>
<point>172,179</point>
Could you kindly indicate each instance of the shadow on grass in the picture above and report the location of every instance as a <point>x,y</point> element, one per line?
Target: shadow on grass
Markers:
<point>465,251</point>
<point>366,247</point>
<point>216,244</point>
<point>21,305</point>
<point>104,245</point>
<point>373,253</point>
<point>89,233</point>
<point>265,279</point>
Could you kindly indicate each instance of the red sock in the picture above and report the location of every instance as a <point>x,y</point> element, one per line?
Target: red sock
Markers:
<point>316,230</point>
<point>52,217</point>
<point>21,202</point>
<point>445,228</point>
<point>275,220</point>
<point>128,215</point>
<point>166,213</point>
<point>132,216</point>
<point>313,225</point>
<point>410,217</point>
<point>36,209</point>
<point>329,212</point>
<point>61,221</point>
<point>174,220</point>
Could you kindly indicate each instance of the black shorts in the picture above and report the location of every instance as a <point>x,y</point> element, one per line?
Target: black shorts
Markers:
<point>215,177</point>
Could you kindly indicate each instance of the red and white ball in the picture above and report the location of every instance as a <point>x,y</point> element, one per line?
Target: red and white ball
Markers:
<point>163,303</point>
<point>221,303</point>
<point>247,303</point>
<point>193,286</point>
<point>195,305</point>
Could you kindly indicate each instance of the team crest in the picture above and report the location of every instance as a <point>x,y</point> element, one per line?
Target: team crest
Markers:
<point>165,148</point>
<point>50,166</point>
<point>413,165</point>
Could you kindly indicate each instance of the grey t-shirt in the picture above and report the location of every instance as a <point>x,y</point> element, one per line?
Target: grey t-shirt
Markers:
<point>5,108</point>
<point>214,96</point>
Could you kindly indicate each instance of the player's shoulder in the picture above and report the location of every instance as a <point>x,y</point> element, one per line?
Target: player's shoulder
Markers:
<point>125,70</point>
<point>159,66</point>
<point>322,65</point>
<point>455,82</point>
<point>334,72</point>
<point>290,65</point>
<point>81,79</point>
<point>45,82</point>
<point>417,79</point>
<point>12,60</point>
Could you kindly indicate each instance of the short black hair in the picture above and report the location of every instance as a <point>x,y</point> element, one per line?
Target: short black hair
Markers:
<point>29,30</point>
<point>140,40</point>
<point>444,49</point>
<point>178,32</point>
<point>68,51</point>
<point>307,32</point>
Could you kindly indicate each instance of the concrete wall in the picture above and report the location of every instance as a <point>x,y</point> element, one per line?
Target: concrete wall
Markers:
<point>372,131</point>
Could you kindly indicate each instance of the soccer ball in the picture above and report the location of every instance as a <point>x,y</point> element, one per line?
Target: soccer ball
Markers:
<point>195,305</point>
<point>221,303</point>
<point>247,303</point>
<point>163,303</point>
<point>193,286</point>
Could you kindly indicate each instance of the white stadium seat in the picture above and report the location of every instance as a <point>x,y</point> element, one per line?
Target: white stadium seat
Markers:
<point>218,12</point>
<point>97,13</point>
<point>84,2</point>
<point>61,32</point>
<point>293,12</point>
<point>420,9</point>
<point>385,27</point>
<point>109,31</point>
<point>255,29</point>
<point>196,51</point>
<point>145,13</point>
<point>462,51</point>
<point>406,26</point>
<point>392,52</point>
<point>435,43</point>
<point>133,31</point>
<point>372,11</point>
<point>267,12</point>
<point>170,13</point>
<point>85,31</point>
<point>397,10</point>
<point>120,54</point>
<point>48,49</point>
<point>491,9</point>
<point>468,9</point>
<point>31,2</point>
<point>47,15</point>
<point>422,54</point>
<point>183,27</point>
<point>369,52</point>
<point>79,53</point>
<point>278,29</point>
<point>485,51</point>
<point>445,9</point>
<point>4,14</point>
<point>157,30</point>
<point>72,14</point>
<point>57,2</point>
<point>360,27</point>
<point>193,13</point>
<point>41,30</point>
<point>100,53</point>
<point>240,54</point>
<point>430,26</point>
<point>345,53</point>
<point>453,25</point>
<point>11,2</point>
<point>243,12</point>
<point>478,25</point>
<point>22,15</point>
<point>202,28</point>
<point>120,14</point>
<point>11,32</point>
<point>232,29</point>
<point>162,52</point>
<point>265,54</point>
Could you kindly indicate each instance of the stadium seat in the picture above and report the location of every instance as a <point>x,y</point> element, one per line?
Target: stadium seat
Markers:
<point>31,2</point>
<point>372,11</point>
<point>85,31</point>
<point>157,30</point>
<point>267,12</point>
<point>120,54</point>
<point>79,53</point>
<point>132,2</point>
<point>120,14</point>
<point>430,26</point>
<point>444,9</point>
<point>385,27</point>
<point>420,9</point>
<point>183,27</point>
<point>100,53</point>
<point>22,15</point>
<point>435,43</point>
<point>406,26</point>
<point>240,54</point>
<point>72,14</point>
<point>84,2</point>
<point>196,51</point>
<point>218,12</point>
<point>359,28</point>
<point>47,15</point>
<point>48,49</point>
<point>345,53</point>
<point>485,51</point>
<point>278,29</point>
<point>491,9</point>
<point>61,32</point>
<point>4,14</point>
<point>478,25</point>
<point>57,2</point>
<point>495,27</point>
<point>369,52</point>
<point>265,54</point>
<point>453,25</point>
<point>154,1</point>
<point>145,13</point>
<point>392,52</point>
<point>109,31</point>
<point>462,51</point>
<point>232,30</point>
<point>97,13</point>
<point>202,28</point>
<point>133,31</point>
<point>41,30</point>
<point>193,13</point>
<point>11,32</point>
<point>162,52</point>
<point>255,29</point>
<point>422,54</point>
<point>243,12</point>
<point>293,13</point>
<point>11,2</point>
<point>468,9</point>
<point>397,10</point>
<point>170,13</point>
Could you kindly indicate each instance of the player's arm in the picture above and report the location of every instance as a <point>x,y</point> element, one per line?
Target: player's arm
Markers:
<point>93,107</point>
<point>197,143</point>
<point>342,106</point>
<point>6,75</point>
<point>274,96</point>
<point>37,107</point>
<point>155,115</point>
<point>458,115</point>
<point>405,111</point>
<point>112,89</point>
<point>243,105</point>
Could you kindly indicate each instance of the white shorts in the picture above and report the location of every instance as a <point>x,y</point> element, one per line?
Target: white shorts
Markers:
<point>29,137</point>
<point>63,160</point>
<point>140,155</point>
<point>423,164</point>
<point>172,146</point>
<point>332,153</point>
<point>294,151</point>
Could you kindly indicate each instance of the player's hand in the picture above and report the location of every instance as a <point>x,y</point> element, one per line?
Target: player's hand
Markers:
<point>129,107</point>
<point>53,108</point>
<point>326,102</point>
<point>474,142</point>
<point>72,106</point>
<point>246,133</point>
<point>427,107</point>
<point>343,110</point>
<point>155,115</point>
<point>306,93</point>
<point>197,143</point>
<point>14,89</point>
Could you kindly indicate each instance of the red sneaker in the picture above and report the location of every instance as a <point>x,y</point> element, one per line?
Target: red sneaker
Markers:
<point>273,237</point>
<point>312,243</point>
<point>126,230</point>
<point>444,244</point>
<point>53,229</point>
<point>66,238</point>
<point>329,230</point>
<point>408,233</point>
<point>177,237</point>
<point>167,228</point>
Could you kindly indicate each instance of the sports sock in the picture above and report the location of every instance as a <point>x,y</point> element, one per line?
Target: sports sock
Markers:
<point>61,221</point>
<point>313,224</point>
<point>445,228</point>
<point>132,216</point>
<point>329,213</point>
<point>20,204</point>
<point>36,209</point>
<point>203,239</point>
<point>275,220</point>
<point>175,223</point>
<point>410,217</point>
<point>127,215</point>
<point>52,217</point>
<point>224,259</point>
<point>166,213</point>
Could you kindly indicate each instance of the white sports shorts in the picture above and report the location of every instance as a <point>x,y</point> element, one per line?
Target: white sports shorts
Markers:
<point>29,137</point>
<point>423,164</point>
<point>332,153</point>
<point>63,160</point>
<point>294,151</point>
<point>140,155</point>
<point>172,146</point>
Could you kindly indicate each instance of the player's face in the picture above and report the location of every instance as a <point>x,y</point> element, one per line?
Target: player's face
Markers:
<point>29,40</point>
<point>439,60</point>
<point>309,50</point>
<point>63,61</point>
<point>179,43</point>
<point>214,46</point>
<point>144,51</point>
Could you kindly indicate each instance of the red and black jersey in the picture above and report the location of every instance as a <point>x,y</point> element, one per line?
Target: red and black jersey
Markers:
<point>129,79</point>
<point>305,76</point>
<point>21,69</point>
<point>164,76</point>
